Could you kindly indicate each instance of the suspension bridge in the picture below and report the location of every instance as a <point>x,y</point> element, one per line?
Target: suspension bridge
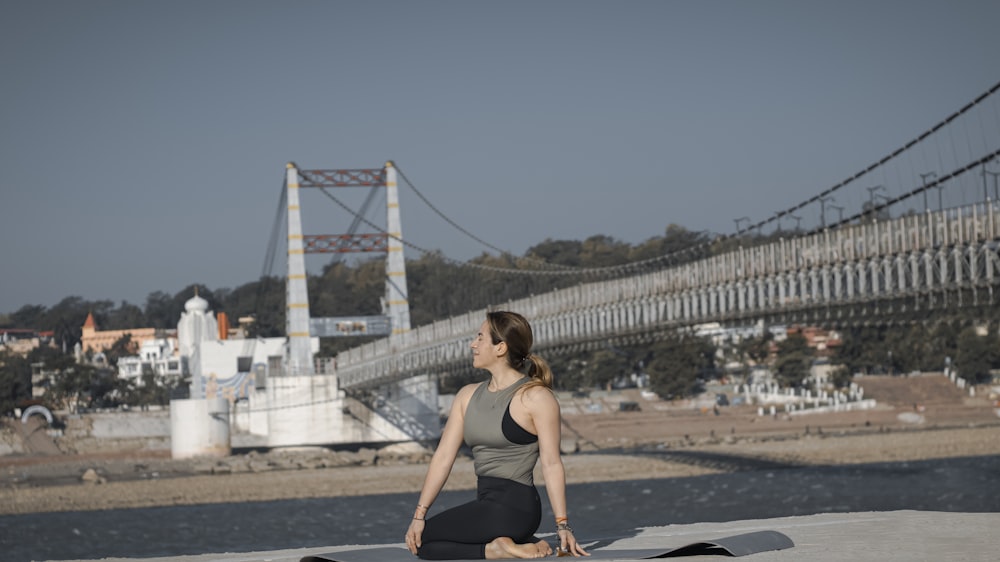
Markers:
<point>893,256</point>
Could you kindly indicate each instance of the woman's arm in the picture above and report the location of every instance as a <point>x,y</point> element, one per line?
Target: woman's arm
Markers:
<point>447,449</point>
<point>544,410</point>
<point>440,465</point>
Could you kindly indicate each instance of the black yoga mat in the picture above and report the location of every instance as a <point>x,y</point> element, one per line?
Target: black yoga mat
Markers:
<point>736,545</point>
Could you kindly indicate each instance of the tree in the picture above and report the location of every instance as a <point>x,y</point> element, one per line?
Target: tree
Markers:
<point>604,366</point>
<point>943,344</point>
<point>840,377</point>
<point>755,350</point>
<point>862,350</point>
<point>28,316</point>
<point>106,389</point>
<point>123,347</point>
<point>66,320</point>
<point>680,363</point>
<point>124,317</point>
<point>568,372</point>
<point>70,386</point>
<point>264,300</point>
<point>73,385</point>
<point>151,390</point>
<point>562,252</point>
<point>973,357</point>
<point>675,241</point>
<point>160,310</point>
<point>15,380</point>
<point>793,360</point>
<point>603,251</point>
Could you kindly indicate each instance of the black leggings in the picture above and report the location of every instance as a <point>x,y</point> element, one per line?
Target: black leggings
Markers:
<point>502,508</point>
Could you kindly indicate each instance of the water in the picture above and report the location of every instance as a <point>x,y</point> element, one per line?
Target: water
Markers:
<point>597,511</point>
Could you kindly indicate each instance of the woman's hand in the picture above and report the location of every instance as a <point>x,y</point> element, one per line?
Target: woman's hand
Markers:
<point>568,545</point>
<point>413,535</point>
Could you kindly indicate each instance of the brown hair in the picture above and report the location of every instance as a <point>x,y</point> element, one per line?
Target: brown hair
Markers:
<point>512,328</point>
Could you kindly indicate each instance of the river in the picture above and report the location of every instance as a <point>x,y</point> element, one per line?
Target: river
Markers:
<point>967,484</point>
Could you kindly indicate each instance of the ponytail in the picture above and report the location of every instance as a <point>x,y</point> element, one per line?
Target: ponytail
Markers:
<point>539,371</point>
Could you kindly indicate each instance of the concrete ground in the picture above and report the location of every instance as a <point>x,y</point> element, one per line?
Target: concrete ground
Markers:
<point>883,536</point>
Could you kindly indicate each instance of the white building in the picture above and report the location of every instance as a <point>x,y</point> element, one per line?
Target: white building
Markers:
<point>283,408</point>
<point>231,368</point>
<point>158,357</point>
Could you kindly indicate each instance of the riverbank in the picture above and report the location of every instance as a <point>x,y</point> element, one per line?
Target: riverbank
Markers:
<point>916,419</point>
<point>626,471</point>
<point>609,447</point>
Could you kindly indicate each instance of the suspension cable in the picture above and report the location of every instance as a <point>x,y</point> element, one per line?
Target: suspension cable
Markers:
<point>608,271</point>
<point>673,257</point>
<point>272,245</point>
<point>471,235</point>
<point>916,191</point>
<point>876,164</point>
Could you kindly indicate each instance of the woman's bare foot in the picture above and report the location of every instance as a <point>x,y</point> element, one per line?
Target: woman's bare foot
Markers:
<point>505,547</point>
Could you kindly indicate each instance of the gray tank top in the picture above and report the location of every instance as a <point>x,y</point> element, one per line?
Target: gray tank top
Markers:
<point>493,453</point>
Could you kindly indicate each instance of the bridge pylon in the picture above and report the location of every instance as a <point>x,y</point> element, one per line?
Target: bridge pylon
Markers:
<point>397,304</point>
<point>395,318</point>
<point>307,404</point>
<point>296,290</point>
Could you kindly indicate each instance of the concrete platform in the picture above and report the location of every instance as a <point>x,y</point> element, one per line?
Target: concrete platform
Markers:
<point>881,536</point>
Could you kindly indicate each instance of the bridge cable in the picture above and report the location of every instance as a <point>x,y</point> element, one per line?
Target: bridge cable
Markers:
<point>916,191</point>
<point>889,201</point>
<point>576,271</point>
<point>357,219</point>
<point>279,219</point>
<point>605,272</point>
<point>272,249</point>
<point>673,258</point>
<point>469,234</point>
<point>876,164</point>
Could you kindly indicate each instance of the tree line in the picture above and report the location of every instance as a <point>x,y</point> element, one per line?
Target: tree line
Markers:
<point>677,364</point>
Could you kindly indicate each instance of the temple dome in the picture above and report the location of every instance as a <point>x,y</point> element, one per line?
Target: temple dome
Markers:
<point>196,304</point>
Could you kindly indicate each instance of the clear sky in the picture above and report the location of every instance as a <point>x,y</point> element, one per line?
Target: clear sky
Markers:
<point>143,144</point>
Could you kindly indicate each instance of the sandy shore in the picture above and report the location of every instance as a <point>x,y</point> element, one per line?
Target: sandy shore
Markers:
<point>617,446</point>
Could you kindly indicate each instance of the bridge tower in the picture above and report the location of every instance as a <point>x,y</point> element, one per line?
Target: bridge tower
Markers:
<point>296,291</point>
<point>397,304</point>
<point>395,319</point>
<point>306,404</point>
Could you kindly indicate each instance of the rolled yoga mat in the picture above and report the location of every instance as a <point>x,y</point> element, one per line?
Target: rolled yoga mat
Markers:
<point>736,545</point>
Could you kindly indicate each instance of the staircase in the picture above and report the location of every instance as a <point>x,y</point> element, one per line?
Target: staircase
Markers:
<point>35,438</point>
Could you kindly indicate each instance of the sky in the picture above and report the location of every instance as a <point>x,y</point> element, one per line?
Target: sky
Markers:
<point>143,144</point>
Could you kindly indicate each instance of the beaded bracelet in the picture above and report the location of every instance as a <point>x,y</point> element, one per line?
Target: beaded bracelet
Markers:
<point>563,526</point>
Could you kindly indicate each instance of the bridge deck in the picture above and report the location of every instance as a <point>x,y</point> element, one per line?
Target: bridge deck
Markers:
<point>904,268</point>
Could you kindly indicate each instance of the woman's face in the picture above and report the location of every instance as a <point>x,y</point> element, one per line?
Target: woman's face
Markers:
<point>484,351</point>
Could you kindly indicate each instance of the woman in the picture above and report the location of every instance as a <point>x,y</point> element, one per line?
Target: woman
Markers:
<point>511,422</point>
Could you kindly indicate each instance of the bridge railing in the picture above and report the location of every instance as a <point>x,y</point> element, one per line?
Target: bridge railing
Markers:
<point>956,226</point>
<point>858,262</point>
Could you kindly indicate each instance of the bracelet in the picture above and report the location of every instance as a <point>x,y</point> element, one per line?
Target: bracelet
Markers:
<point>563,527</point>
<point>561,520</point>
<point>425,507</point>
<point>415,518</point>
